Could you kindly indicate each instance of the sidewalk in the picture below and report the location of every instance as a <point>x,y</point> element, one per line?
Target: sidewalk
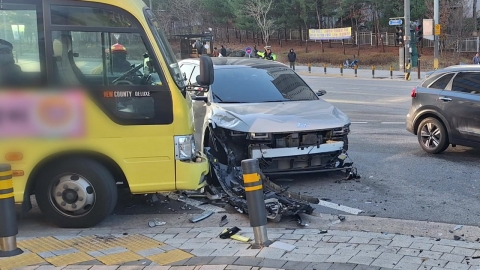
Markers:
<point>192,246</point>
<point>362,73</point>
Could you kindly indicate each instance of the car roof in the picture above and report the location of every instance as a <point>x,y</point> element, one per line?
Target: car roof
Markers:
<point>456,68</point>
<point>231,62</point>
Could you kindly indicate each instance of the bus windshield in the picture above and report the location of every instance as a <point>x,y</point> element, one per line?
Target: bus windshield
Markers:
<point>167,51</point>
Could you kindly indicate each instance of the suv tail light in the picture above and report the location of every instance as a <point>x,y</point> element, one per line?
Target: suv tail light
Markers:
<point>414,92</point>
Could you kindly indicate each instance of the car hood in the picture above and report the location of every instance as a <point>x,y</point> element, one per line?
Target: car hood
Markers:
<point>290,116</point>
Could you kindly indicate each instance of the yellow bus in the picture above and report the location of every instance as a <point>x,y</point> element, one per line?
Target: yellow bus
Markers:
<point>92,98</point>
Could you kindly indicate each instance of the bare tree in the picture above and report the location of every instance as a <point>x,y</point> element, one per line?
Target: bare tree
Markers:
<point>187,13</point>
<point>259,9</point>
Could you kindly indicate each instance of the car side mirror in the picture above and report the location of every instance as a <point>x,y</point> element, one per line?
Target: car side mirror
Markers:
<point>206,76</point>
<point>321,93</point>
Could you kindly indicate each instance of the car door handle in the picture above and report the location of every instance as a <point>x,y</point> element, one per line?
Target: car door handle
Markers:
<point>445,99</point>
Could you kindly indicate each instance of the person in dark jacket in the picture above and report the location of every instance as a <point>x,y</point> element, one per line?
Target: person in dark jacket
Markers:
<point>11,75</point>
<point>292,57</point>
<point>223,51</point>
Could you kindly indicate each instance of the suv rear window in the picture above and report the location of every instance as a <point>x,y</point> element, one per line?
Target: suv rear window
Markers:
<point>440,81</point>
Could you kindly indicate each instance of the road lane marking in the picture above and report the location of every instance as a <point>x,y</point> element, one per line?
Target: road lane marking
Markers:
<point>339,207</point>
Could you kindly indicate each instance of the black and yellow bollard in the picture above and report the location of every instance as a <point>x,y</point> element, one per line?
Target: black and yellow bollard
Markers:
<point>373,71</point>
<point>8,221</point>
<point>407,73</point>
<point>325,68</point>
<point>355,67</point>
<point>391,72</point>
<point>309,67</point>
<point>257,211</point>
<point>341,70</point>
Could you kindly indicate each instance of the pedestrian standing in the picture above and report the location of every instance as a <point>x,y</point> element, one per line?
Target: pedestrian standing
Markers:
<point>292,58</point>
<point>476,59</point>
<point>215,52</point>
<point>223,51</point>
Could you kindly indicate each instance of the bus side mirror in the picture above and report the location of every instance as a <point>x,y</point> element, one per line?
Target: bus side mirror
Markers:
<point>206,76</point>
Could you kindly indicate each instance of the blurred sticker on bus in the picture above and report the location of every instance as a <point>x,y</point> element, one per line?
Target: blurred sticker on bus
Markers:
<point>43,114</point>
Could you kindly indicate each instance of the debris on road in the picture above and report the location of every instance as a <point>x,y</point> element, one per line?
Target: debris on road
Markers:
<point>201,217</point>
<point>458,227</point>
<point>227,233</point>
<point>223,221</point>
<point>156,222</point>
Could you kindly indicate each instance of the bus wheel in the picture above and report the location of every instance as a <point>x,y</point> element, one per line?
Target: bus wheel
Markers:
<point>76,193</point>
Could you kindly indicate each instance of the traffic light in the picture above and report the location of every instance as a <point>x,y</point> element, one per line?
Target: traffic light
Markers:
<point>419,33</point>
<point>399,35</point>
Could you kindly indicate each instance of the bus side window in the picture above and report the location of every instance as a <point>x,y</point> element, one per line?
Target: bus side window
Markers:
<point>19,48</point>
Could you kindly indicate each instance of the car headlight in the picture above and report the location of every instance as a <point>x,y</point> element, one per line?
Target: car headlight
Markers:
<point>184,147</point>
<point>342,131</point>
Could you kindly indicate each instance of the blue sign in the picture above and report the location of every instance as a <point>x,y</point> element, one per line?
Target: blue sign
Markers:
<point>395,22</point>
<point>248,50</point>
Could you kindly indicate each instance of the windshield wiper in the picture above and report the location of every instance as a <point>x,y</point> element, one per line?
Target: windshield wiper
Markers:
<point>216,96</point>
<point>276,100</point>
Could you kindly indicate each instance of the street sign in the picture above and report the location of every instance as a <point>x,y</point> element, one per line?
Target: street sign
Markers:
<point>428,27</point>
<point>437,29</point>
<point>395,22</point>
<point>248,50</point>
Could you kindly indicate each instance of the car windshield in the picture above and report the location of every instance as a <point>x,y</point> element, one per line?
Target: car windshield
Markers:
<point>256,85</point>
<point>167,51</point>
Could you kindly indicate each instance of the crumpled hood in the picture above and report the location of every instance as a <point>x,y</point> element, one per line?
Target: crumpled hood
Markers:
<point>289,116</point>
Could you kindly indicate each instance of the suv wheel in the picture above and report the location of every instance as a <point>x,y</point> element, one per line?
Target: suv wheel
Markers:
<point>432,136</point>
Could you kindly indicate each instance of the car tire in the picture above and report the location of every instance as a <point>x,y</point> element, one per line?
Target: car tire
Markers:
<point>432,136</point>
<point>76,193</point>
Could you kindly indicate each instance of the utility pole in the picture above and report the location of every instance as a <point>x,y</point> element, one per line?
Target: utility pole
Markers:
<point>436,20</point>
<point>407,30</point>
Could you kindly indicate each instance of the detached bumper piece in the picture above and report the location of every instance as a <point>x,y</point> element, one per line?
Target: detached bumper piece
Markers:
<point>279,201</point>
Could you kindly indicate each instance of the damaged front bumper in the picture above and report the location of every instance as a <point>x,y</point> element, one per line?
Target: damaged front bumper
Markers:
<point>328,156</point>
<point>279,202</point>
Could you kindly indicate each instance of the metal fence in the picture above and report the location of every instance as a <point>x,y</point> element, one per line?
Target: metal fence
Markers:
<point>447,43</point>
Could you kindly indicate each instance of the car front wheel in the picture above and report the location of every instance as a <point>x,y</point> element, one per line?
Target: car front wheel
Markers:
<point>432,136</point>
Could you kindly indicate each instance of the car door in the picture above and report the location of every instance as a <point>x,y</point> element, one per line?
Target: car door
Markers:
<point>461,103</point>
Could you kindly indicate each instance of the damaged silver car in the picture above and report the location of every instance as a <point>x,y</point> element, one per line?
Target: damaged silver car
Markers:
<point>264,110</point>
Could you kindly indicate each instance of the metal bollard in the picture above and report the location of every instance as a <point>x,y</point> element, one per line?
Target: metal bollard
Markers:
<point>8,222</point>
<point>391,72</point>
<point>373,71</point>
<point>341,70</point>
<point>418,69</point>
<point>355,67</point>
<point>309,68</point>
<point>257,212</point>
<point>325,68</point>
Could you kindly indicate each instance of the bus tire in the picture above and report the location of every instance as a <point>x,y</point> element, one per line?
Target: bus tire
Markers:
<point>76,193</point>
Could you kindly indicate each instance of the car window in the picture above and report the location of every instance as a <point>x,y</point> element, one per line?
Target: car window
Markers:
<point>442,82</point>
<point>195,73</point>
<point>187,69</point>
<point>467,82</point>
<point>253,85</point>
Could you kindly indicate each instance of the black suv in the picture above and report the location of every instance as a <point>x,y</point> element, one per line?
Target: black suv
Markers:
<point>446,109</point>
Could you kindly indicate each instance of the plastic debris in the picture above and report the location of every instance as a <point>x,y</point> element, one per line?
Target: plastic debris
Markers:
<point>227,233</point>
<point>156,222</point>
<point>223,221</point>
<point>202,216</point>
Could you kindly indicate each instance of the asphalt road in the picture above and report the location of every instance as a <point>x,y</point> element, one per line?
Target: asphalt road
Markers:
<point>398,180</point>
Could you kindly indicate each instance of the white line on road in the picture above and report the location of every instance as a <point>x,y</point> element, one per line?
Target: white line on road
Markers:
<point>394,123</point>
<point>339,207</point>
